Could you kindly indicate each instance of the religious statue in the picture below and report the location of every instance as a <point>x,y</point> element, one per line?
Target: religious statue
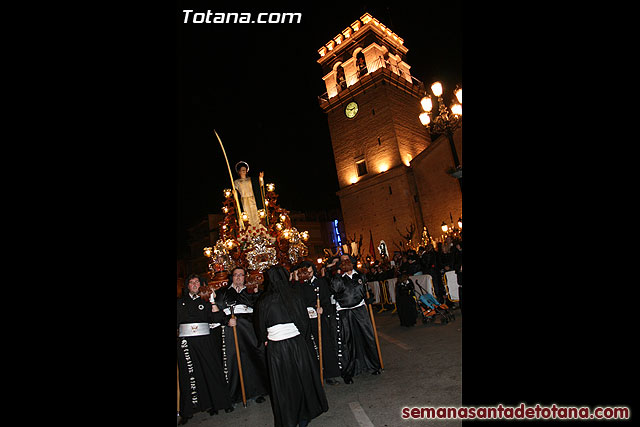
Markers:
<point>250,196</point>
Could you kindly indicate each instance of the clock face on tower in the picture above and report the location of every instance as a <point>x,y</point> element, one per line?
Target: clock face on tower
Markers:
<point>351,110</point>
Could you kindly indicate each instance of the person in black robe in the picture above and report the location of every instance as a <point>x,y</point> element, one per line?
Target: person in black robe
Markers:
<point>405,301</point>
<point>356,344</point>
<point>457,266</point>
<point>215,331</point>
<point>202,383</point>
<point>445,260</point>
<point>413,263</point>
<point>282,323</point>
<point>311,287</point>
<point>252,355</point>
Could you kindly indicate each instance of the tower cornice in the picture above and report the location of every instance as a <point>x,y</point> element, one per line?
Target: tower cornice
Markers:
<point>356,31</point>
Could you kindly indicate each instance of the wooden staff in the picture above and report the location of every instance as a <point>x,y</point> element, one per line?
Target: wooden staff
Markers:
<point>383,295</point>
<point>375,332</point>
<point>319,333</point>
<point>235,338</point>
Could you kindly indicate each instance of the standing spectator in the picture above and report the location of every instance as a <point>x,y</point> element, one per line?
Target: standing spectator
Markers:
<point>457,266</point>
<point>446,264</point>
<point>413,263</point>
<point>404,264</point>
<point>372,273</point>
<point>438,284</point>
<point>405,301</point>
<point>431,266</point>
<point>428,261</point>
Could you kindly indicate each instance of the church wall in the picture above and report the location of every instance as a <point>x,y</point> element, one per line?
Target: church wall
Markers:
<point>356,137</point>
<point>411,135</point>
<point>370,205</point>
<point>439,193</point>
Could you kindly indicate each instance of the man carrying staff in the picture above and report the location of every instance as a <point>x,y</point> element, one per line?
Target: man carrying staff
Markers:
<point>252,352</point>
<point>311,288</point>
<point>202,383</point>
<point>356,345</point>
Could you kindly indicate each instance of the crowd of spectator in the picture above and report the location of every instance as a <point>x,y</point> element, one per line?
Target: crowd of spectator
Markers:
<point>446,256</point>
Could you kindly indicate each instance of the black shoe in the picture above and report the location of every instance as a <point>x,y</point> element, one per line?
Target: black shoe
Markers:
<point>348,380</point>
<point>331,381</point>
<point>213,412</point>
<point>183,420</point>
<point>376,372</point>
<point>229,409</point>
<point>260,399</point>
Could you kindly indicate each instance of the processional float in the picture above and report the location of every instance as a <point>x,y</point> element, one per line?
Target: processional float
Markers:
<point>274,241</point>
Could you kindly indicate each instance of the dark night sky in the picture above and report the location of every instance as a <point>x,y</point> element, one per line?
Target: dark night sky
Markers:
<point>257,85</point>
<point>544,169</point>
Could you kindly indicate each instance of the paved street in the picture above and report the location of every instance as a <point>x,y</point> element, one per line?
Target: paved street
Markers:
<point>423,367</point>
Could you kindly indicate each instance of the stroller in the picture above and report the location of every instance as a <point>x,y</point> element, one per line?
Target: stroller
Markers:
<point>430,308</point>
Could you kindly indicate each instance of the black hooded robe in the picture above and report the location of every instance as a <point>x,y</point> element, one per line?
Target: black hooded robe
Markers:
<point>294,373</point>
<point>329,355</point>
<point>356,344</point>
<point>252,352</point>
<point>201,378</point>
<point>406,303</point>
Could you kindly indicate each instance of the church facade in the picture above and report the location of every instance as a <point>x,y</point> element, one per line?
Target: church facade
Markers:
<point>392,176</point>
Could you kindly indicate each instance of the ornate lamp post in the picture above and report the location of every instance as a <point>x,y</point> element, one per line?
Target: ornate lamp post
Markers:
<point>451,230</point>
<point>446,122</point>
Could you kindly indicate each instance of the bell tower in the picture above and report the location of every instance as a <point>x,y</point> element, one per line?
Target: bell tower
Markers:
<point>372,104</point>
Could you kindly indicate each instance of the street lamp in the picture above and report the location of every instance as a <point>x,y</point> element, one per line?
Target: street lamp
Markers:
<point>446,122</point>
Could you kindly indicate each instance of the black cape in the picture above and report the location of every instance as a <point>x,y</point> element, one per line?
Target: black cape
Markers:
<point>296,391</point>
<point>252,352</point>
<point>201,379</point>
<point>355,338</point>
<point>329,354</point>
<point>406,303</point>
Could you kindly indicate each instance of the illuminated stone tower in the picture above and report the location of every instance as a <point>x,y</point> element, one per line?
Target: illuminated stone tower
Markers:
<point>372,104</point>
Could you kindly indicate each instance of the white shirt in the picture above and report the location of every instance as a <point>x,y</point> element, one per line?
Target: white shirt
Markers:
<point>349,273</point>
<point>236,289</point>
